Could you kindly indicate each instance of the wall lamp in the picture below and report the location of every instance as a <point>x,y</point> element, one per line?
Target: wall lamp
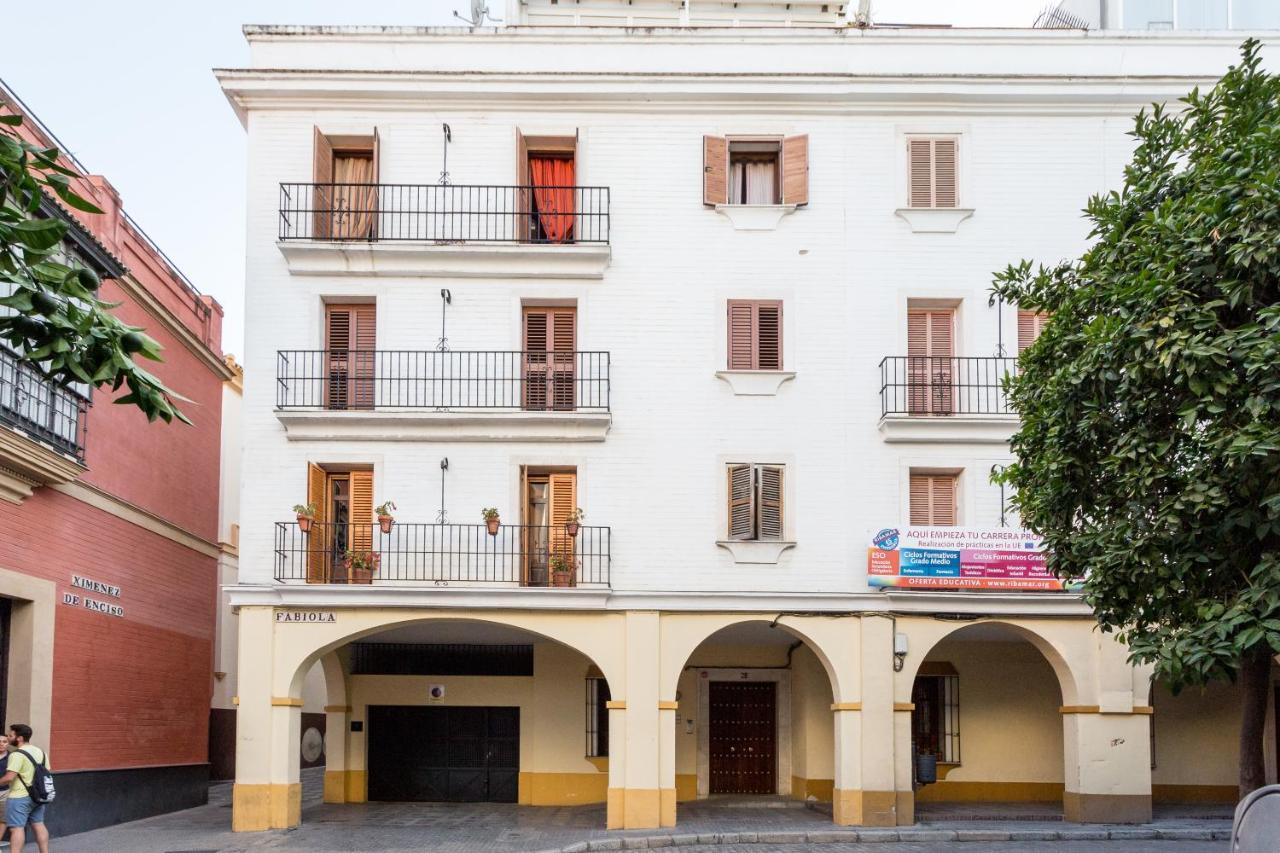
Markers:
<point>899,651</point>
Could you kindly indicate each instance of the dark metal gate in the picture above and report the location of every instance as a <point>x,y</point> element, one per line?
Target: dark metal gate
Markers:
<point>459,755</point>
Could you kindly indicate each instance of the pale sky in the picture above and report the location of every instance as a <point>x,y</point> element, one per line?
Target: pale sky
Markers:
<point>127,87</point>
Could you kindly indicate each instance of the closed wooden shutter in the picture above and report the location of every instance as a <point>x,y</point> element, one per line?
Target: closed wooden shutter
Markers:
<point>361,537</point>
<point>795,169</point>
<point>933,499</point>
<point>321,193</point>
<point>318,538</point>
<point>755,334</point>
<point>930,350</point>
<point>351,341</point>
<point>1030,325</point>
<point>715,170</point>
<point>770,488</point>
<point>550,359</point>
<point>932,172</point>
<point>562,501</point>
<point>741,492</point>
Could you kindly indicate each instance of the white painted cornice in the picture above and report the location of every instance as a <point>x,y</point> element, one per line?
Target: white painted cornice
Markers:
<point>443,426</point>
<point>412,259</point>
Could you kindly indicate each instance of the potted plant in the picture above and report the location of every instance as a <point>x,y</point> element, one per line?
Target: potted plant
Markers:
<point>491,519</point>
<point>361,565</point>
<point>306,516</point>
<point>561,571</point>
<point>384,516</point>
<point>574,522</point>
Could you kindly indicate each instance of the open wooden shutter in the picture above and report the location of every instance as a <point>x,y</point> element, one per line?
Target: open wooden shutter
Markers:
<point>741,493</point>
<point>715,170</point>
<point>795,169</point>
<point>562,501</point>
<point>768,335</point>
<point>318,538</point>
<point>321,191</point>
<point>770,485</point>
<point>1030,325</point>
<point>931,167</point>
<point>524,206</point>
<point>933,500</point>
<point>930,348</point>
<point>361,534</point>
<point>375,193</point>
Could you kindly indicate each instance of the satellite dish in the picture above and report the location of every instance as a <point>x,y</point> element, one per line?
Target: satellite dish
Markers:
<point>479,11</point>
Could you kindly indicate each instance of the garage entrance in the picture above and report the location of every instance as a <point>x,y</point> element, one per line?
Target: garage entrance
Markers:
<point>457,755</point>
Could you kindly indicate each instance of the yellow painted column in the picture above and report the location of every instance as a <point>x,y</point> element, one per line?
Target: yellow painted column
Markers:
<point>615,811</point>
<point>1108,765</point>
<point>267,793</point>
<point>874,802</point>
<point>846,806</point>
<point>667,761</point>
<point>337,720</point>
<point>642,797</point>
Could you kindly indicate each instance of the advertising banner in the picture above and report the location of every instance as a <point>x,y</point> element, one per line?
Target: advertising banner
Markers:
<point>1002,558</point>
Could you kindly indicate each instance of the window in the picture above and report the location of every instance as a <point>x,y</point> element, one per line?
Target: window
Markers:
<point>755,334</point>
<point>549,359</point>
<point>755,502</point>
<point>546,169</point>
<point>930,361</point>
<point>344,200</point>
<point>343,523</point>
<point>755,170</point>
<point>935,721</point>
<point>350,355</point>
<point>931,172</point>
<point>597,717</point>
<point>550,498</point>
<point>1030,325</point>
<point>933,498</point>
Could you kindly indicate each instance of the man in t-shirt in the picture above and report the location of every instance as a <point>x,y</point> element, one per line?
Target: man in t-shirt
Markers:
<point>19,809</point>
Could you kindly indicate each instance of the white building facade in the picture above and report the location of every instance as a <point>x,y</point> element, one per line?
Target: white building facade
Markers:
<point>726,292</point>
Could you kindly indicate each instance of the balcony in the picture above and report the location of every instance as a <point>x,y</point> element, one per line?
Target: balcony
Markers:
<point>444,230</point>
<point>443,395</point>
<point>926,399</point>
<point>43,442</point>
<point>442,555</point>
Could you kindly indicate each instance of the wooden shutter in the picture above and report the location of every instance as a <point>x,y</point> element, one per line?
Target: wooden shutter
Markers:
<point>930,348</point>
<point>318,538</point>
<point>933,500</point>
<point>932,172</point>
<point>375,194</point>
<point>550,360</point>
<point>795,169</point>
<point>361,535</point>
<point>715,170</point>
<point>562,500</point>
<point>351,341</point>
<point>741,494</point>
<point>1030,325</point>
<point>321,196</point>
<point>755,334</point>
<point>770,501</point>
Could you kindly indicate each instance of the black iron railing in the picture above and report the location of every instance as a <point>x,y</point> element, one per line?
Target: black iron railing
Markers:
<point>42,409</point>
<point>442,554</point>
<point>444,213</point>
<point>928,385</point>
<point>443,379</point>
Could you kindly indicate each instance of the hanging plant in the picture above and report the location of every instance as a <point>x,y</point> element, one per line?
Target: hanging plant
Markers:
<point>491,520</point>
<point>306,516</point>
<point>385,519</point>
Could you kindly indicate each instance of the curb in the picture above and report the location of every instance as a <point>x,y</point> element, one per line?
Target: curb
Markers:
<point>868,836</point>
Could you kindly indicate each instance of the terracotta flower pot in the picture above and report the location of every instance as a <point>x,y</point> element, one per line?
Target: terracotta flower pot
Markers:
<point>571,527</point>
<point>562,577</point>
<point>305,522</point>
<point>385,522</point>
<point>492,525</point>
<point>358,575</point>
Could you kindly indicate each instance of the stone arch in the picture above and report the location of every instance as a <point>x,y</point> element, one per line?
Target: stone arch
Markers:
<point>1053,651</point>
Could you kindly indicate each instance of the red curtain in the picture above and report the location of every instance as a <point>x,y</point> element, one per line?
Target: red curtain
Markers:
<point>553,191</point>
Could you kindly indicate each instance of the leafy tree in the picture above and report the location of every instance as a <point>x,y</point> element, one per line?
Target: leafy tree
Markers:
<point>58,325</point>
<point>1149,451</point>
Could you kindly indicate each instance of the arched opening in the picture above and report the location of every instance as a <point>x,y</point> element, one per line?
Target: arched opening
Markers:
<point>987,703</point>
<point>461,711</point>
<point>754,720</point>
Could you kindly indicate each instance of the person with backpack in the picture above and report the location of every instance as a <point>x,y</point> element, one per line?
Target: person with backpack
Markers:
<point>30,789</point>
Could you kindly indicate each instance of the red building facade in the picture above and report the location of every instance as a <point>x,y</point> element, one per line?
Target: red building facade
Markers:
<point>109,542</point>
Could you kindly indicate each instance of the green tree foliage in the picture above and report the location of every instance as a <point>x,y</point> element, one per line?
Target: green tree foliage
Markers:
<point>58,325</point>
<point>1149,451</point>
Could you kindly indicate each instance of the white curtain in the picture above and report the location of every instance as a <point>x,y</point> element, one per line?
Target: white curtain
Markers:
<point>753,182</point>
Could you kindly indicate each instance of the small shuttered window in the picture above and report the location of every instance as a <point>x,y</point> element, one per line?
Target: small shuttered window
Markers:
<point>755,501</point>
<point>933,499</point>
<point>778,167</point>
<point>755,334</point>
<point>1030,325</point>
<point>931,170</point>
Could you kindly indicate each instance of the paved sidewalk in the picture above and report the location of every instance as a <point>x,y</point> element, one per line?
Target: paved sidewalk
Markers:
<point>490,828</point>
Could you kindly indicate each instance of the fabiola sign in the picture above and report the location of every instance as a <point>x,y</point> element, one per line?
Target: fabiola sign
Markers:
<point>958,558</point>
<point>305,616</point>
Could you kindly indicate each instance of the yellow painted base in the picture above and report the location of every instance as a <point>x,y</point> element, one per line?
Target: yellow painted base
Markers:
<point>667,806</point>
<point>906,804</point>
<point>686,787</point>
<point>255,808</point>
<point>357,786</point>
<point>335,786</point>
<point>613,811</point>
<point>1228,794</point>
<point>819,789</point>
<point>563,789</point>
<point>1106,808</point>
<point>991,792</point>
<point>864,808</point>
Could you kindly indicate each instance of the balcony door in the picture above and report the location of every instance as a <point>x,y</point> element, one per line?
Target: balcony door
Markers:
<point>345,190</point>
<point>344,521</point>
<point>351,341</point>
<point>549,361</point>
<point>546,169</point>
<point>550,497</point>
<point>930,371</point>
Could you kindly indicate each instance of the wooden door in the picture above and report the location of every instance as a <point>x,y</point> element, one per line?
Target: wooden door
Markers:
<point>743,734</point>
<point>548,372</point>
<point>930,372</point>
